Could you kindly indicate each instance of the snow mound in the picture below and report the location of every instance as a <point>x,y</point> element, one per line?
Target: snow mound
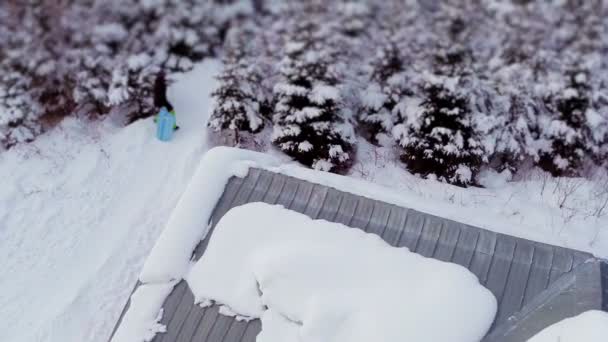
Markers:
<point>590,326</point>
<point>323,281</point>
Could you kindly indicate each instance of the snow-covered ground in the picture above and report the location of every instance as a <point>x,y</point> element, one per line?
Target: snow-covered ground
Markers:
<point>569,212</point>
<point>590,326</point>
<point>321,281</point>
<point>80,209</point>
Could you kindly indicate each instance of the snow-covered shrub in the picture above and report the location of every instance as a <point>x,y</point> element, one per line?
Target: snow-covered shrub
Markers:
<point>308,124</point>
<point>385,89</point>
<point>240,97</point>
<point>442,141</point>
<point>59,57</point>
<point>564,127</point>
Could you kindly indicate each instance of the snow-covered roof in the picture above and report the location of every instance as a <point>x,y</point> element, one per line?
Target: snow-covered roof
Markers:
<point>523,275</point>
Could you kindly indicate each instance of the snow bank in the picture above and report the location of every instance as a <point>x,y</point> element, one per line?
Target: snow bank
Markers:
<point>80,209</point>
<point>170,258</point>
<point>590,326</point>
<point>141,323</point>
<point>323,281</point>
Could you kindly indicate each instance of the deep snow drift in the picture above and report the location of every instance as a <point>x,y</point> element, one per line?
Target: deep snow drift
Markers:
<point>323,281</point>
<point>80,209</point>
<point>590,326</point>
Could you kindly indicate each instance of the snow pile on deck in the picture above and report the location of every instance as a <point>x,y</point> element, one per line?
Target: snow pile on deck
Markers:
<point>323,281</point>
<point>590,326</point>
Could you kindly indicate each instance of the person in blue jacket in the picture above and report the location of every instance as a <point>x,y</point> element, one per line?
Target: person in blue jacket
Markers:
<point>160,96</point>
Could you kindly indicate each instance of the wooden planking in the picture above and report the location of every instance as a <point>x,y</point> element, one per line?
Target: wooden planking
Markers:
<point>288,192</point>
<point>300,200</point>
<point>411,230</point>
<point>247,188</point>
<point>220,328</point>
<point>330,208</point>
<point>261,188</point>
<point>394,227</point>
<point>274,189</point>
<point>542,263</point>
<point>562,263</point>
<point>517,281</point>
<point>316,201</point>
<point>192,321</point>
<point>225,203</point>
<point>236,331</point>
<point>429,237</point>
<point>251,332</point>
<point>178,319</point>
<point>465,247</point>
<point>485,253</point>
<point>348,206</point>
<point>379,218</point>
<point>604,281</point>
<point>482,257</point>
<point>205,325</point>
<point>363,214</point>
<point>170,306</point>
<point>447,241</point>
<point>499,270</point>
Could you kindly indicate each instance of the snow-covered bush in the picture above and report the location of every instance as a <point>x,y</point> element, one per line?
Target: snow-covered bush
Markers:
<point>308,124</point>
<point>385,89</point>
<point>240,98</point>
<point>441,141</point>
<point>564,127</point>
<point>94,55</point>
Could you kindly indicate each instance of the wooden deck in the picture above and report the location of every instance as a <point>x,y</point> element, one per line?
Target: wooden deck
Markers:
<point>515,270</point>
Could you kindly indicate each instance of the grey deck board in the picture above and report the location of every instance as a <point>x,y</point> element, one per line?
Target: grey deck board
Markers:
<point>288,192</point>
<point>274,189</point>
<point>253,329</point>
<point>348,206</point>
<point>517,281</point>
<point>465,247</point>
<point>482,257</point>
<point>539,272</point>
<point>225,202</point>
<point>448,239</point>
<point>515,270</point>
<point>500,269</point>
<point>332,203</point>
<point>429,237</point>
<point>411,230</point>
<point>179,317</point>
<point>192,321</point>
<point>394,226</point>
<point>316,201</point>
<point>300,200</point>
<point>205,325</point>
<point>220,328</point>
<point>604,280</point>
<point>247,188</point>
<point>262,187</point>
<point>236,331</point>
<point>362,215</point>
<point>562,263</point>
<point>379,218</point>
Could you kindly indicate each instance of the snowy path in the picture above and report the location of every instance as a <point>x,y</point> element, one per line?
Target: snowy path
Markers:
<point>79,211</point>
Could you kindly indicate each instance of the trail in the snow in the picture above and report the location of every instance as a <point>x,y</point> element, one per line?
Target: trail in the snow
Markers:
<point>80,210</point>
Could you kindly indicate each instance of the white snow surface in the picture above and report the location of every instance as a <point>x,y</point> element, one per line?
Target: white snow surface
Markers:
<point>590,326</point>
<point>147,301</point>
<point>80,209</point>
<point>313,280</point>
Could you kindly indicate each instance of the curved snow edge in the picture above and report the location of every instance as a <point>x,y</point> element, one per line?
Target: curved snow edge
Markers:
<point>169,259</point>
